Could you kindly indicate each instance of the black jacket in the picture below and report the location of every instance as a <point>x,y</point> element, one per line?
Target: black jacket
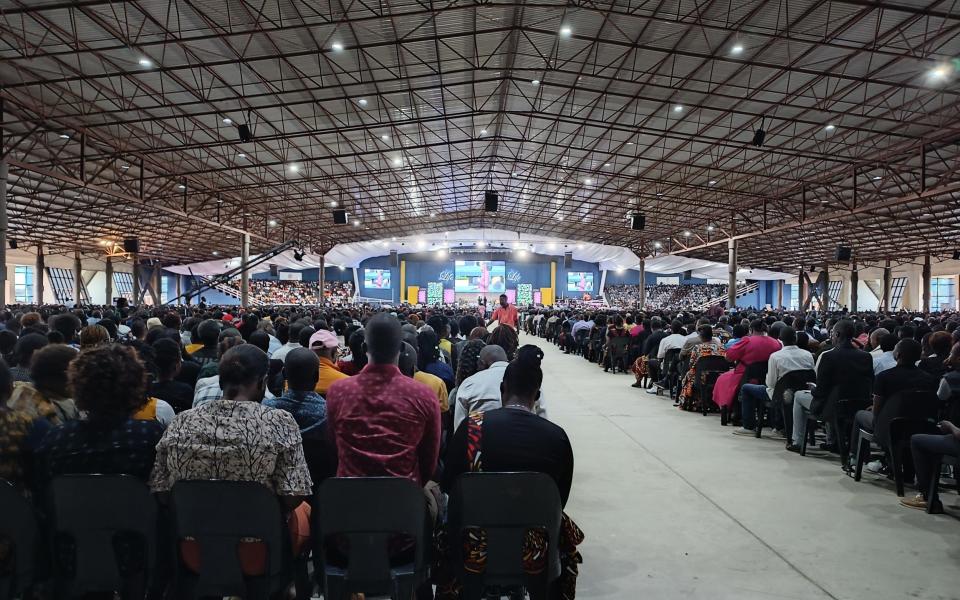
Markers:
<point>843,372</point>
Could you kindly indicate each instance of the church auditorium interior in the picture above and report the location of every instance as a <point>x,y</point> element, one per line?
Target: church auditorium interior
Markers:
<point>453,300</point>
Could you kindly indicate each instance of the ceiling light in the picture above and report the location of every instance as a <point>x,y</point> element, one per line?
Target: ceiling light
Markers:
<point>687,234</point>
<point>241,155</point>
<point>362,101</point>
<point>588,181</point>
<point>710,228</point>
<point>333,203</point>
<point>579,246</point>
<point>394,238</point>
<point>737,49</point>
<point>659,194</point>
<point>397,162</point>
<point>629,143</point>
<point>227,121</point>
<point>713,182</point>
<point>272,222</point>
<point>385,137</point>
<point>657,245</point>
<point>877,178</point>
<point>181,187</point>
<point>830,127</point>
<point>678,108</point>
<point>559,217</point>
<point>606,164</point>
<point>294,168</point>
<point>522,252</point>
<point>64,136</point>
<point>337,47</point>
<point>566,31</point>
<point>483,132</point>
<point>145,62</point>
<point>939,73</point>
<point>124,167</point>
<point>356,223</point>
<point>535,82</point>
<point>215,253</point>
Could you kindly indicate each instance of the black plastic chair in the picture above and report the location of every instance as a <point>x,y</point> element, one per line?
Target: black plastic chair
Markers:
<point>18,528</point>
<point>933,493</point>
<point>706,372</point>
<point>104,534</point>
<point>214,521</point>
<point>901,430</point>
<point>617,353</point>
<point>505,506</point>
<point>362,518</point>
<point>668,366</point>
<point>840,407</point>
<point>788,385</point>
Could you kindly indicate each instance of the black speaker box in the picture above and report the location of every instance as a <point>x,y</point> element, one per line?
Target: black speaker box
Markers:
<point>637,222</point>
<point>956,255</point>
<point>244,132</point>
<point>131,245</point>
<point>274,271</point>
<point>13,244</point>
<point>394,259</point>
<point>491,201</point>
<point>568,260</point>
<point>340,217</point>
<point>844,253</point>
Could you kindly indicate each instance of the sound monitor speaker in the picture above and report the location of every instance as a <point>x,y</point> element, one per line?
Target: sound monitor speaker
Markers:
<point>844,253</point>
<point>568,260</point>
<point>956,255</point>
<point>491,201</point>
<point>274,271</point>
<point>13,244</point>
<point>131,245</point>
<point>244,131</point>
<point>637,222</point>
<point>394,259</point>
<point>340,217</point>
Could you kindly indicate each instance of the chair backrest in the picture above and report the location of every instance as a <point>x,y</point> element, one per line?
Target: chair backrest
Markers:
<point>111,523</point>
<point>913,405</point>
<point>670,359</point>
<point>793,380</point>
<point>18,528</point>
<point>216,515</point>
<point>506,506</point>
<point>368,512</point>
<point>756,372</point>
<point>618,345</point>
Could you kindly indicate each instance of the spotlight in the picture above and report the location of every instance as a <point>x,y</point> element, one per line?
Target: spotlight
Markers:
<point>678,108</point>
<point>830,127</point>
<point>566,32</point>
<point>145,62</point>
<point>227,121</point>
<point>272,222</point>
<point>737,49</point>
<point>362,101</point>
<point>337,47</point>
<point>535,82</point>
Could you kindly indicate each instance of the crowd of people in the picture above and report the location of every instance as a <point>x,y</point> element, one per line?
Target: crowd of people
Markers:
<point>663,295</point>
<point>285,397</point>
<point>890,379</point>
<point>269,292</point>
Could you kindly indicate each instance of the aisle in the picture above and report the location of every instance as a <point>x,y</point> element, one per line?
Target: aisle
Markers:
<point>675,506</point>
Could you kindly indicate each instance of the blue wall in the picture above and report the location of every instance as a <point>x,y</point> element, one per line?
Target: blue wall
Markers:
<point>632,277</point>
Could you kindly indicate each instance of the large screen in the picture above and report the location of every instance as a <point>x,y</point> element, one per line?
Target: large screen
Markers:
<point>376,279</point>
<point>579,282</point>
<point>480,276</point>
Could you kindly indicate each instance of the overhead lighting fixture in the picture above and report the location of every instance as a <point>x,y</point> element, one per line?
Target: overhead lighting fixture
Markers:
<point>566,31</point>
<point>713,182</point>
<point>362,101</point>
<point>181,187</point>
<point>385,137</point>
<point>64,136</point>
<point>241,155</point>
<point>227,121</point>
<point>877,178</point>
<point>588,181</point>
<point>124,167</point>
<point>336,47</point>
<point>535,82</point>
<point>657,245</point>
<point>272,222</point>
<point>215,253</point>
<point>145,62</point>
<point>629,143</point>
<point>483,132</point>
<point>830,127</point>
<point>356,223</point>
<point>939,73</point>
<point>606,164</point>
<point>737,49</point>
<point>678,108</point>
<point>394,238</point>
<point>659,194</point>
<point>397,162</point>
<point>710,227</point>
<point>481,244</point>
<point>294,168</point>
<point>687,234</point>
<point>559,217</point>
<point>333,204</point>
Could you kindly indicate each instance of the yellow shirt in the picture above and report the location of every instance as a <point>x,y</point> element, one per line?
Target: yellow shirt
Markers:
<point>446,346</point>
<point>191,348</point>
<point>437,385</point>
<point>328,374</point>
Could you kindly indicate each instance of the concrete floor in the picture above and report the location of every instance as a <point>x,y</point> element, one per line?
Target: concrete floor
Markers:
<point>675,506</point>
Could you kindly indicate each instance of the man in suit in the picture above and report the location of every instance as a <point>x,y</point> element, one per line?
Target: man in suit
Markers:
<point>844,372</point>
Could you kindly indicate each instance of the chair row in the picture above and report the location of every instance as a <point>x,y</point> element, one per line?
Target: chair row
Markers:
<point>224,538</point>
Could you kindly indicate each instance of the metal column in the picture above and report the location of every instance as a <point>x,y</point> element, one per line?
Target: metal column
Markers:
<point>926,283</point>
<point>77,279</point>
<point>136,278</point>
<point>779,293</point>
<point>3,233</point>
<point>825,290</point>
<point>157,284</point>
<point>643,284</point>
<point>178,281</point>
<point>731,273</point>
<point>323,275</point>
<point>108,285</point>
<point>887,306</point>
<point>38,276</point>
<point>244,274</point>
<point>854,285</point>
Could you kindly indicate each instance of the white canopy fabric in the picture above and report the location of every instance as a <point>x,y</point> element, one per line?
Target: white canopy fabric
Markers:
<point>607,257</point>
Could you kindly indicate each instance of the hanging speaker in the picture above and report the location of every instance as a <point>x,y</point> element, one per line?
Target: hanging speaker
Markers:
<point>491,201</point>
<point>758,137</point>
<point>13,244</point>
<point>274,271</point>
<point>956,255</point>
<point>340,217</point>
<point>244,132</point>
<point>844,253</point>
<point>131,245</point>
<point>568,260</point>
<point>394,259</point>
<point>637,221</point>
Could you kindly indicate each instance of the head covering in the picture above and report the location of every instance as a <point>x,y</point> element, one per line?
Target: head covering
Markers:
<point>324,338</point>
<point>469,355</point>
<point>154,322</point>
<point>228,318</point>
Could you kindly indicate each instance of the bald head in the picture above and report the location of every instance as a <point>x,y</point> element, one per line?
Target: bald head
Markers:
<point>302,368</point>
<point>489,355</point>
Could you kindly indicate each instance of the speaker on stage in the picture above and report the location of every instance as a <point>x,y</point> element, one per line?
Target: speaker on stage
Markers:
<point>394,259</point>
<point>274,271</point>
<point>568,260</point>
<point>491,201</point>
<point>637,221</point>
<point>844,253</point>
<point>131,245</point>
<point>340,217</point>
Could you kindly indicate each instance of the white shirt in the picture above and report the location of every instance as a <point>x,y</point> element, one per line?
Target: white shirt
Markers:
<point>883,362</point>
<point>481,392</point>
<point>671,342</point>
<point>781,362</point>
<point>281,352</point>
